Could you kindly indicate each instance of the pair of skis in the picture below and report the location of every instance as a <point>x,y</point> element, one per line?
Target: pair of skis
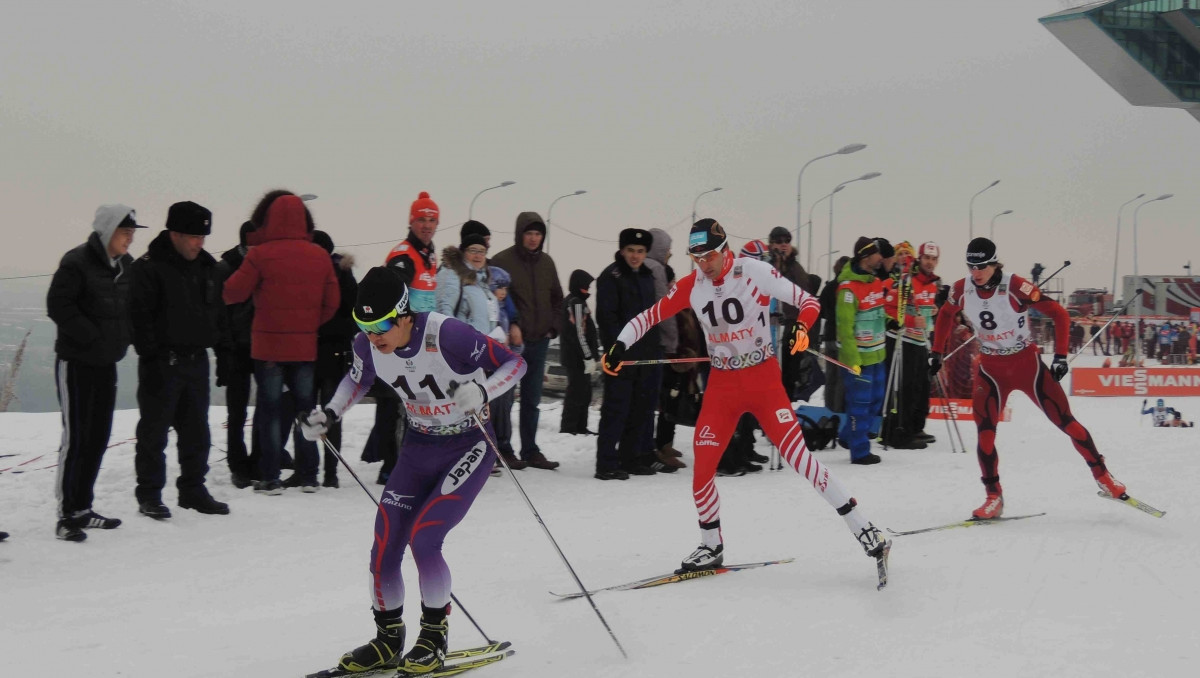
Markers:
<point>972,522</point>
<point>457,661</point>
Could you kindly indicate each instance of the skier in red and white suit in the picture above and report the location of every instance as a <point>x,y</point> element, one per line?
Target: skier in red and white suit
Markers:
<point>731,298</point>
<point>997,304</point>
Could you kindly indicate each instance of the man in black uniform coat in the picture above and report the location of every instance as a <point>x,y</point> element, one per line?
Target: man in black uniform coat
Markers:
<point>177,317</point>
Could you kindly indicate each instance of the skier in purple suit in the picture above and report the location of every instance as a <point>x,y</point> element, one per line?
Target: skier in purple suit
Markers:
<point>445,372</point>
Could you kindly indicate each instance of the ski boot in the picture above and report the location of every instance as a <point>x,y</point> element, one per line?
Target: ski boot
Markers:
<point>992,507</point>
<point>873,542</point>
<point>382,652</point>
<point>1114,487</point>
<point>429,652</point>
<point>703,558</point>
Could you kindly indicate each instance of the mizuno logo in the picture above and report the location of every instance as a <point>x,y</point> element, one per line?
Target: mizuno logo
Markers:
<point>477,353</point>
<point>398,497</point>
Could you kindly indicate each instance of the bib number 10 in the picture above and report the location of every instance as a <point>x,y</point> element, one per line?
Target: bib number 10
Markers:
<point>731,312</point>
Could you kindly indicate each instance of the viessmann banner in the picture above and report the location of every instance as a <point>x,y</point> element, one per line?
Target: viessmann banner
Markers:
<point>1135,381</point>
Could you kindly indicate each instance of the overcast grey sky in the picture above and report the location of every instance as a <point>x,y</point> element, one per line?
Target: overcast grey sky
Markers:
<point>642,104</point>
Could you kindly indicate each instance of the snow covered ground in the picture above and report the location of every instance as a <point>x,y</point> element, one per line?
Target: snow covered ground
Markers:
<point>279,588</point>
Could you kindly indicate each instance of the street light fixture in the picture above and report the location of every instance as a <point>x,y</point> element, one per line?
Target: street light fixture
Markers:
<point>1117,249</point>
<point>868,175</point>
<point>971,216</point>
<point>308,196</point>
<point>697,199</point>
<point>992,229</point>
<point>471,209</point>
<point>1137,313</point>
<point>844,150</point>
<point>551,211</point>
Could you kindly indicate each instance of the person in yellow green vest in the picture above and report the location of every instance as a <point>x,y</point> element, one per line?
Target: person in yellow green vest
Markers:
<point>861,327</point>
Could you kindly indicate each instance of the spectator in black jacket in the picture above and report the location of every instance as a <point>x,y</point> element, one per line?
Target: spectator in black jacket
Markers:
<point>623,290</point>
<point>335,343</point>
<point>89,303</point>
<point>235,369</point>
<point>835,391</point>
<point>578,352</point>
<point>177,316</point>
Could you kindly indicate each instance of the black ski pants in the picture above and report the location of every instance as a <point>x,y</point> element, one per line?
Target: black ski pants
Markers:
<point>237,399</point>
<point>576,400</point>
<point>86,397</point>
<point>172,392</point>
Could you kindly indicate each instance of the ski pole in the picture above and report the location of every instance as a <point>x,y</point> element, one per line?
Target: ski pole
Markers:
<point>1116,314</point>
<point>665,361</point>
<point>457,602</point>
<point>477,417</point>
<point>946,404</point>
<point>1051,276</point>
<point>853,370</point>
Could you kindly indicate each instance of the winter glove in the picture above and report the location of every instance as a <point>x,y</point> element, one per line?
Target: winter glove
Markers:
<point>798,338</point>
<point>469,397</point>
<point>935,363</point>
<point>315,424</point>
<point>1058,368</point>
<point>612,359</point>
<point>589,367</point>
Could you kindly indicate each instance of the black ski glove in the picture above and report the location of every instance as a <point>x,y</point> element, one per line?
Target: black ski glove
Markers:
<point>612,359</point>
<point>935,363</point>
<point>1058,368</point>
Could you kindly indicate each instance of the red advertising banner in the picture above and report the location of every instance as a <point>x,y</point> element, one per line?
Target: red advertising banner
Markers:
<point>961,409</point>
<point>1135,381</point>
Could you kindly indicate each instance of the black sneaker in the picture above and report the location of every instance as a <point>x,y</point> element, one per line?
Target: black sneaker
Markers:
<point>271,487</point>
<point>759,458</point>
<point>749,467</point>
<point>293,481</point>
<point>611,475</point>
<point>67,530</point>
<point>867,460</point>
<point>309,486</point>
<point>925,437</point>
<point>154,509</point>
<point>203,503</point>
<point>240,481</point>
<point>731,471</point>
<point>330,480</point>
<point>639,469</point>
<point>660,467</point>
<point>91,519</point>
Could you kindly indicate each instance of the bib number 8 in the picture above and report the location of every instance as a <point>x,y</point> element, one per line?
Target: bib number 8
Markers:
<point>987,321</point>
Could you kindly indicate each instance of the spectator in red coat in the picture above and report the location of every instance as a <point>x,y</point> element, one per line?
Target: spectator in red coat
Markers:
<point>295,291</point>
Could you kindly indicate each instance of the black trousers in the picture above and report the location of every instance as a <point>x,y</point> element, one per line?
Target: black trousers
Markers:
<point>835,389</point>
<point>86,397</point>
<point>576,400</point>
<point>172,392</point>
<point>627,408</point>
<point>910,397</point>
<point>237,399</point>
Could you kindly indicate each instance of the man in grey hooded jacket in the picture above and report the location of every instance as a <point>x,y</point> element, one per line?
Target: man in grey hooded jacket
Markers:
<point>89,303</point>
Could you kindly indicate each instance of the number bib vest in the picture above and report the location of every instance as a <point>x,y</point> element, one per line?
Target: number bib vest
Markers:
<point>1001,328</point>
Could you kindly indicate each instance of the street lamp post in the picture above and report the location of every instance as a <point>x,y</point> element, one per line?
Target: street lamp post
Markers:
<point>844,150</point>
<point>1137,313</point>
<point>1117,249</point>
<point>471,209</point>
<point>992,229</point>
<point>868,175</point>
<point>550,211</point>
<point>971,215</point>
<point>711,190</point>
<point>812,208</point>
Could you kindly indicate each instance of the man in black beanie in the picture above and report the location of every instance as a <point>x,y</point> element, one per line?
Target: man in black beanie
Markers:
<point>177,316</point>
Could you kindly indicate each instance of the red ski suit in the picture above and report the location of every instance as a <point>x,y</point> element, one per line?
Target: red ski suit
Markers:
<point>733,311</point>
<point>1009,360</point>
